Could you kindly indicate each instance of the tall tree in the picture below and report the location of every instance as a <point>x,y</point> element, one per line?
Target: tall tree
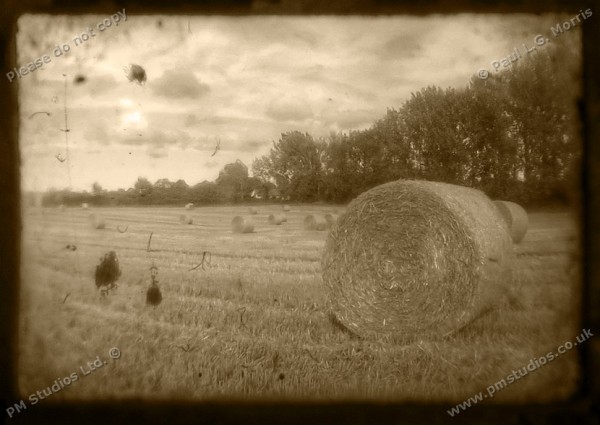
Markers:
<point>296,165</point>
<point>233,181</point>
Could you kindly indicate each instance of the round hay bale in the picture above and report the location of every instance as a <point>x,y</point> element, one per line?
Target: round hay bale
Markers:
<point>312,222</point>
<point>275,219</point>
<point>241,224</point>
<point>416,259</point>
<point>283,218</point>
<point>330,219</point>
<point>186,219</point>
<point>515,218</point>
<point>189,206</point>
<point>97,221</point>
<point>253,210</point>
<point>85,206</point>
<point>286,208</point>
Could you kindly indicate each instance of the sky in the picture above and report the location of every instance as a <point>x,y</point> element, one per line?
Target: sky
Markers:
<point>239,80</point>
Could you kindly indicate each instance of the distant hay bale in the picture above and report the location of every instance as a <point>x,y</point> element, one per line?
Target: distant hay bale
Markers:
<point>85,206</point>
<point>189,206</point>
<point>283,218</point>
<point>253,210</point>
<point>286,208</point>
<point>241,224</point>
<point>275,219</point>
<point>312,222</point>
<point>97,221</point>
<point>515,218</point>
<point>330,219</point>
<point>416,259</point>
<point>186,219</point>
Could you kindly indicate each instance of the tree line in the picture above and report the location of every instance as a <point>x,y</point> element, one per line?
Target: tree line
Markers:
<point>513,135</point>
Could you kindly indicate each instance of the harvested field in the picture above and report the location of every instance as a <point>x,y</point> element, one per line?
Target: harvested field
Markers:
<point>231,325</point>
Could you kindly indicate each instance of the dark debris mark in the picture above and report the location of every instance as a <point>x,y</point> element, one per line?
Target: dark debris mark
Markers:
<point>199,374</point>
<point>66,296</point>
<point>79,79</point>
<point>311,356</point>
<point>59,157</point>
<point>281,376</point>
<point>187,348</point>
<point>39,112</point>
<point>137,73</point>
<point>242,310</point>
<point>205,260</point>
<point>122,231</point>
<point>153,294</point>
<point>217,147</point>
<point>159,23</point>
<point>107,272</point>
<point>71,247</point>
<point>149,241</point>
<point>54,99</point>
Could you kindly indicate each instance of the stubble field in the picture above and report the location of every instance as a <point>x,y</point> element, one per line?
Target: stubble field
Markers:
<point>254,325</point>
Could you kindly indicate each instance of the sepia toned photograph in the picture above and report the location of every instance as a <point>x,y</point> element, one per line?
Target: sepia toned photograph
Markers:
<point>300,208</point>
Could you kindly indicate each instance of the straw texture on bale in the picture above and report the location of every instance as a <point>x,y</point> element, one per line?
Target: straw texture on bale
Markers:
<point>515,218</point>
<point>286,208</point>
<point>241,224</point>
<point>312,222</point>
<point>189,206</point>
<point>275,219</point>
<point>97,221</point>
<point>253,210</point>
<point>416,259</point>
<point>186,219</point>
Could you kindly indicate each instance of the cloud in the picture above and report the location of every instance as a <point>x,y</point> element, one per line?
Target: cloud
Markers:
<point>157,152</point>
<point>211,164</point>
<point>289,109</point>
<point>354,119</point>
<point>175,83</point>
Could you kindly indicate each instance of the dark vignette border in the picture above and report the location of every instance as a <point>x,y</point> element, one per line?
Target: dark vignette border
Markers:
<point>584,408</point>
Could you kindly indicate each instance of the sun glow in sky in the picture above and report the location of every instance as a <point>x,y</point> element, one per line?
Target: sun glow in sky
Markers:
<point>243,80</point>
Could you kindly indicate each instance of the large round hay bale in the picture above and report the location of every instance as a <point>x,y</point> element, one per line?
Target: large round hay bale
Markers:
<point>85,205</point>
<point>189,206</point>
<point>312,222</point>
<point>241,224</point>
<point>515,218</point>
<point>253,210</point>
<point>275,219</point>
<point>97,221</point>
<point>416,259</point>
<point>286,208</point>
<point>186,219</point>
